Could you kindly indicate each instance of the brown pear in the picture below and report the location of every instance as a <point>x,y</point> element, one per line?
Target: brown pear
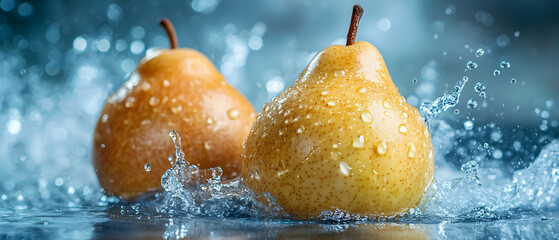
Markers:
<point>340,139</point>
<point>171,89</point>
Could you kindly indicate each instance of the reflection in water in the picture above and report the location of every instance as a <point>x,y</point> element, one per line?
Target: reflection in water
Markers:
<point>156,227</point>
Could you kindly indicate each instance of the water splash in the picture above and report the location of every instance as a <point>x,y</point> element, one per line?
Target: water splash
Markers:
<point>429,110</point>
<point>194,191</point>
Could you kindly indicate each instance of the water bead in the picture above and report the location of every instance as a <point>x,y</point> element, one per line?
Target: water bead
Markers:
<point>496,72</point>
<point>359,142</point>
<point>503,40</point>
<point>479,87</point>
<point>471,65</point>
<point>468,125</point>
<point>403,129</point>
<point>505,64</point>
<point>414,80</point>
<point>549,103</point>
<point>344,168</point>
<point>233,114</point>
<point>411,150</point>
<point>386,104</point>
<point>480,52</point>
<point>382,148</point>
<point>472,103</point>
<point>366,117</point>
<point>147,167</point>
<point>513,81</point>
<point>456,111</point>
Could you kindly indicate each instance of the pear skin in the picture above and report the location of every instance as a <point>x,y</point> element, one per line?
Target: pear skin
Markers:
<point>341,138</point>
<point>176,89</point>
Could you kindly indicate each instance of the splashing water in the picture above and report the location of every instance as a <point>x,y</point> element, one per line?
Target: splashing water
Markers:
<point>195,191</point>
<point>430,110</point>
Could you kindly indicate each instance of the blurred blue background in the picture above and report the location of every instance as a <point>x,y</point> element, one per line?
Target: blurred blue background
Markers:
<point>61,59</point>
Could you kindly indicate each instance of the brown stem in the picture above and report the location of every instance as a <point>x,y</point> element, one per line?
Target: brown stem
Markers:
<point>355,18</point>
<point>170,31</point>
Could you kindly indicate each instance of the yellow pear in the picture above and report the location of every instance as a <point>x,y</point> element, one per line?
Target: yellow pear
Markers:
<point>176,89</point>
<point>341,138</point>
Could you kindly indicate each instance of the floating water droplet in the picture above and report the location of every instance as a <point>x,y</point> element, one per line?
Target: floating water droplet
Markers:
<point>414,80</point>
<point>366,117</point>
<point>468,125</point>
<point>549,103</point>
<point>153,101</point>
<point>233,113</point>
<point>503,40</point>
<point>450,9</point>
<point>147,167</point>
<point>456,111</point>
<point>386,104</point>
<point>411,150</point>
<point>403,129</point>
<point>382,148</point>
<point>513,81</point>
<point>480,52</point>
<point>505,64</point>
<point>325,92</point>
<point>300,130</point>
<point>344,168</point>
<point>359,142</point>
<point>471,65</point>
<point>479,87</point>
<point>517,34</point>
<point>496,72</point>
<point>483,95</point>
<point>544,114</point>
<point>497,154</point>
<point>129,102</point>
<point>102,146</point>
<point>210,120</point>
<point>335,145</point>
<point>472,103</point>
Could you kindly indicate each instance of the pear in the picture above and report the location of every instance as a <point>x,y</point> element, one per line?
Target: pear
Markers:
<point>340,139</point>
<point>176,89</point>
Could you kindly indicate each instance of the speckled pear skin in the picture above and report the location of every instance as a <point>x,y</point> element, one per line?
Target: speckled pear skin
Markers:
<point>178,89</point>
<point>340,138</point>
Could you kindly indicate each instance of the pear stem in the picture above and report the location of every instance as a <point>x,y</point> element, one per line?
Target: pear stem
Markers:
<point>168,26</point>
<point>355,18</point>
